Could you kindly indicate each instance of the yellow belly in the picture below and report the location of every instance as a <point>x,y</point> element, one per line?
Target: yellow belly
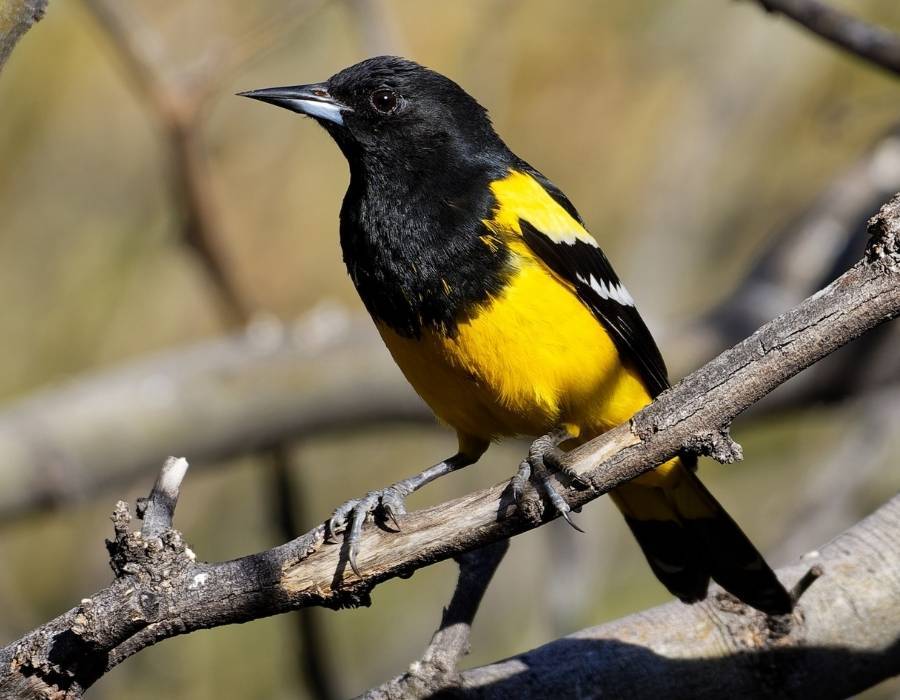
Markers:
<point>532,359</point>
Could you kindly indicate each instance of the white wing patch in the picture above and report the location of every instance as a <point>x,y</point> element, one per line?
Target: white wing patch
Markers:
<point>615,291</point>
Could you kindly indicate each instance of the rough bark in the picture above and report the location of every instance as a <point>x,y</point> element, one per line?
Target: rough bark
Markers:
<point>844,638</point>
<point>16,18</point>
<point>161,591</point>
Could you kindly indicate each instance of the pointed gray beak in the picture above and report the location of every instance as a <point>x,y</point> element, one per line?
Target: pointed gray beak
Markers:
<point>313,100</point>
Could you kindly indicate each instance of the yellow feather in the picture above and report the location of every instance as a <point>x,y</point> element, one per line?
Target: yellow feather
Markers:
<point>520,196</point>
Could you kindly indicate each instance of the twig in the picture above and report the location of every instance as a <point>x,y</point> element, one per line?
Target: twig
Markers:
<point>868,41</point>
<point>808,579</point>
<point>180,595</point>
<point>176,109</point>
<point>438,667</point>
<point>159,509</point>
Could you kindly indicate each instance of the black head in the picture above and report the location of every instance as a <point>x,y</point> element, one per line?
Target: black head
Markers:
<point>389,112</point>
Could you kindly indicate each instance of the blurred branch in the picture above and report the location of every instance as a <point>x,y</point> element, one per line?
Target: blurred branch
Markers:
<point>276,383</point>
<point>176,104</point>
<point>868,41</point>
<point>834,494</point>
<point>438,667</point>
<point>804,255</point>
<point>16,18</point>
<point>176,108</point>
<point>213,400</point>
<point>844,638</point>
<point>161,591</point>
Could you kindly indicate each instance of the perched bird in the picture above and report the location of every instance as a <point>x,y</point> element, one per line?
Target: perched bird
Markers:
<point>503,313</point>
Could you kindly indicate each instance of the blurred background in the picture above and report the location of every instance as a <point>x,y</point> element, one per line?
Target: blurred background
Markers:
<point>172,283</point>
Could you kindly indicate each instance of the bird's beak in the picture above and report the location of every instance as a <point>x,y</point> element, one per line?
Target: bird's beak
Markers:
<point>313,100</point>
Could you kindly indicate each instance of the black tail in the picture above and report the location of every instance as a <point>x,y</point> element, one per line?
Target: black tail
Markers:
<point>688,538</point>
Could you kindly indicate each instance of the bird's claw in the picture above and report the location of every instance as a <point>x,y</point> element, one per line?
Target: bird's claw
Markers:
<point>543,459</point>
<point>520,478</point>
<point>350,517</point>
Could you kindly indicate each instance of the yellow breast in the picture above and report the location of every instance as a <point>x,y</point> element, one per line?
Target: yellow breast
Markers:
<point>530,359</point>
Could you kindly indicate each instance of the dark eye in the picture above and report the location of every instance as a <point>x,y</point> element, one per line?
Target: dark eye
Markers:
<point>385,101</point>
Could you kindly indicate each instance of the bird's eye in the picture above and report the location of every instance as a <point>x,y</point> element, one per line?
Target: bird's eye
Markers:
<point>385,101</point>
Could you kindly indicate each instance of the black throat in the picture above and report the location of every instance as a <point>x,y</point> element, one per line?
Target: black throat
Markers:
<point>413,240</point>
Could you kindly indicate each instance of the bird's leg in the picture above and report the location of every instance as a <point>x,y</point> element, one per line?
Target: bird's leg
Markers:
<point>351,516</point>
<point>544,458</point>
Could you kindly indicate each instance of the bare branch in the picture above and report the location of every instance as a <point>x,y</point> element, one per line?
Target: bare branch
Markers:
<point>160,591</point>
<point>214,400</point>
<point>159,509</point>
<point>176,109</point>
<point>438,667</point>
<point>872,43</point>
<point>16,18</point>
<point>816,245</point>
<point>845,637</point>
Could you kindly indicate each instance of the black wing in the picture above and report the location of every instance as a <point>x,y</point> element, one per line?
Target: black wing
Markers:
<point>583,265</point>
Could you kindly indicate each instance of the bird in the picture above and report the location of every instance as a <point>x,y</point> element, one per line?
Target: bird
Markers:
<point>504,314</point>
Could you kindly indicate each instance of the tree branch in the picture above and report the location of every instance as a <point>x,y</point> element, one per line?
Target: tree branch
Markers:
<point>16,18</point>
<point>160,591</point>
<point>872,43</point>
<point>214,400</point>
<point>844,638</point>
<point>176,109</point>
<point>438,667</point>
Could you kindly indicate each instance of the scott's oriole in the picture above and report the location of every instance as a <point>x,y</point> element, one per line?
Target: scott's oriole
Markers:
<point>503,312</point>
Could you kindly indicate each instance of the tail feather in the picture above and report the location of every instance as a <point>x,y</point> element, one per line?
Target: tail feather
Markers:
<point>688,538</point>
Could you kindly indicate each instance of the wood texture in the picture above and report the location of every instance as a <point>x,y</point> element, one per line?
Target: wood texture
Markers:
<point>843,639</point>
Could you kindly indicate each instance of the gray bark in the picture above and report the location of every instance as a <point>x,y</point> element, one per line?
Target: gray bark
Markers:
<point>845,638</point>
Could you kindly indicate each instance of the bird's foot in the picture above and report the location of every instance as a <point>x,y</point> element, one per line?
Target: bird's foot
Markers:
<point>349,517</point>
<point>386,503</point>
<point>545,458</point>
